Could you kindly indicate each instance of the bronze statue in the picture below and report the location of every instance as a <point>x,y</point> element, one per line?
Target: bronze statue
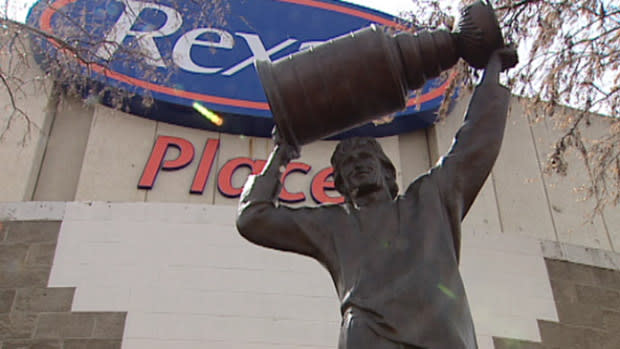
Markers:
<point>393,258</point>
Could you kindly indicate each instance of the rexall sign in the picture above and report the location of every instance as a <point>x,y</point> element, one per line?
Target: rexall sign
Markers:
<point>192,57</point>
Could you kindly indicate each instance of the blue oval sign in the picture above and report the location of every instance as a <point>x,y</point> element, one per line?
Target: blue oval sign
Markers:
<point>195,63</point>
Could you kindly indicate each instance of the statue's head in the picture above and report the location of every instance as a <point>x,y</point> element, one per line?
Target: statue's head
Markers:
<point>360,162</point>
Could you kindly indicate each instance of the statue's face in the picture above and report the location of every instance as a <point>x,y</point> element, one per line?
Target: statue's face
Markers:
<point>362,171</point>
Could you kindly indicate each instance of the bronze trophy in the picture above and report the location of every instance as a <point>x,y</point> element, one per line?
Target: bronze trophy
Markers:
<point>358,77</point>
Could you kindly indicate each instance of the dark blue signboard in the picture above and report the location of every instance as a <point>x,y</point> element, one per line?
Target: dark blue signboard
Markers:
<point>193,60</point>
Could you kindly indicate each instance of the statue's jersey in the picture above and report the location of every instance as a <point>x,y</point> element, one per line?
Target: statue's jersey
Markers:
<point>393,263</point>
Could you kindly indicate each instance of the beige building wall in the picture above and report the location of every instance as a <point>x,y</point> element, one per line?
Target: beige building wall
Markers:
<point>27,108</point>
<point>64,154</point>
<point>115,156</point>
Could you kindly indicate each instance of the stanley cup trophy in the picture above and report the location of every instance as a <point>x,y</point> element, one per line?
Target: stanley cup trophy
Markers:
<point>363,75</point>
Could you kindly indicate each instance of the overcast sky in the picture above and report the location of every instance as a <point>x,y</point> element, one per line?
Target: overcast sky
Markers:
<point>393,7</point>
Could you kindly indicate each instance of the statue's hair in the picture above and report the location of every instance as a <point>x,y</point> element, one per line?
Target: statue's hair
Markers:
<point>347,145</point>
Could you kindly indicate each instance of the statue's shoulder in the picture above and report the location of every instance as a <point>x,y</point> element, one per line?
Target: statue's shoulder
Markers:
<point>415,186</point>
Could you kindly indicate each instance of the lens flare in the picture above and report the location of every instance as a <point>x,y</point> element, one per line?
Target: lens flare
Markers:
<point>448,292</point>
<point>209,115</point>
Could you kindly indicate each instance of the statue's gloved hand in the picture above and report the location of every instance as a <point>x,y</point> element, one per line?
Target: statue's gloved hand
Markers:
<point>280,156</point>
<point>285,152</point>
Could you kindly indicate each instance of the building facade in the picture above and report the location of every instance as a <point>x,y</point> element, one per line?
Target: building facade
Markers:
<point>118,231</point>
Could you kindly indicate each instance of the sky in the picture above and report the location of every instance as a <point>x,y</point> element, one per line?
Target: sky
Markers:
<point>393,7</point>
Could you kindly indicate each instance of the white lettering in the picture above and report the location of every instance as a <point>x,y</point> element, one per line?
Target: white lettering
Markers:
<point>258,51</point>
<point>181,54</point>
<point>122,29</point>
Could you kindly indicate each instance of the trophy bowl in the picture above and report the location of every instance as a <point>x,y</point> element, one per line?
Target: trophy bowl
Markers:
<point>360,76</point>
<point>478,34</point>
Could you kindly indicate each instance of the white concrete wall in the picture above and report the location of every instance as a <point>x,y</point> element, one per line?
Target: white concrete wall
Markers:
<point>188,280</point>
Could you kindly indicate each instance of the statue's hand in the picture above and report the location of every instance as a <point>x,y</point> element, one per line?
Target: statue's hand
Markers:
<point>505,57</point>
<point>279,158</point>
<point>286,152</point>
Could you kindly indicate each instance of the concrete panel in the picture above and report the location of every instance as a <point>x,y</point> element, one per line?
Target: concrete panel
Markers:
<point>110,298</point>
<point>521,194</point>
<point>600,126</point>
<point>140,212</point>
<point>23,136</point>
<point>142,343</point>
<point>172,299</point>
<point>64,154</point>
<point>483,216</point>
<point>612,220</point>
<point>571,213</point>
<point>230,332</point>
<point>174,186</point>
<point>485,342</point>
<point>32,210</point>
<point>446,129</point>
<point>118,147</point>
<point>414,153</point>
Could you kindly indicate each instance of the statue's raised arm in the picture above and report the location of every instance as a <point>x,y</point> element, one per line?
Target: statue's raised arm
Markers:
<point>462,171</point>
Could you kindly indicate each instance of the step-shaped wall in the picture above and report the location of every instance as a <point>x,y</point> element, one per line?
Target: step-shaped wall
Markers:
<point>33,315</point>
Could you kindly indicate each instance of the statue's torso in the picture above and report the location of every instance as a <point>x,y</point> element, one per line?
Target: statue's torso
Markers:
<point>394,263</point>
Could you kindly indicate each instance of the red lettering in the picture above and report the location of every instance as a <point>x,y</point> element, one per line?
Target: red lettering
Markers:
<point>204,168</point>
<point>320,184</point>
<point>285,195</point>
<point>156,160</point>
<point>224,179</point>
